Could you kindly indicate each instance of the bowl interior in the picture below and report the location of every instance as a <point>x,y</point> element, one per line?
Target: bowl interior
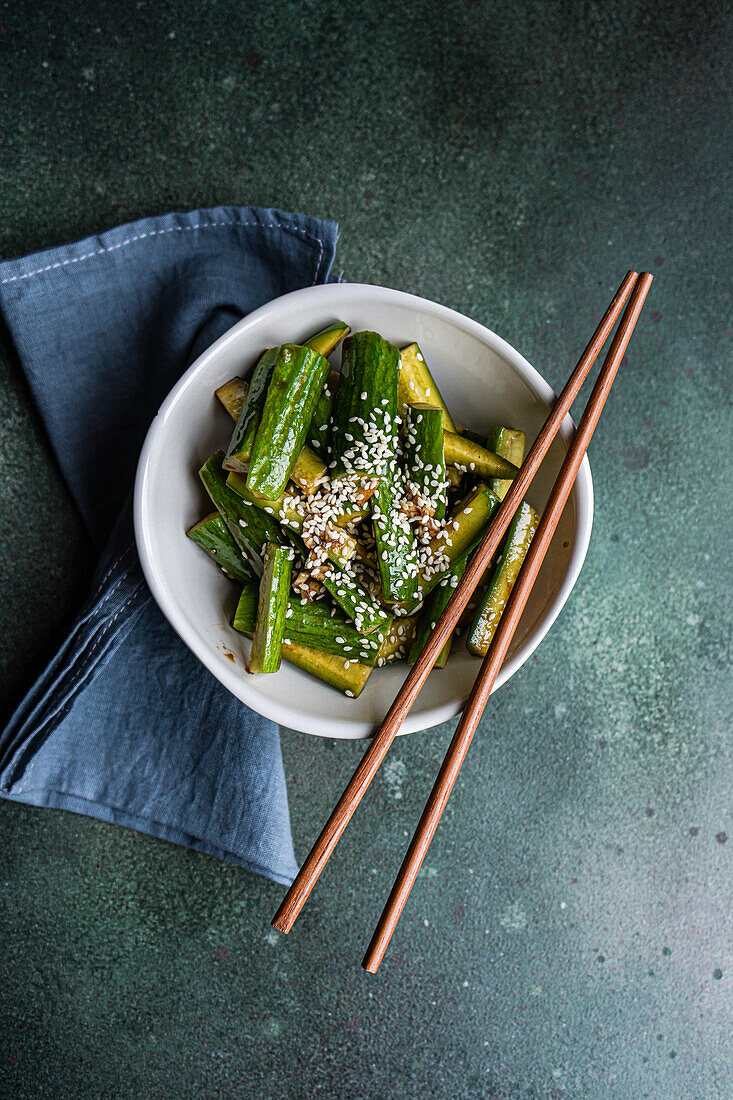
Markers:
<point>484,382</point>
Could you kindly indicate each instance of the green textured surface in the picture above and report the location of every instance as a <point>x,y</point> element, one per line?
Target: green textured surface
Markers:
<point>567,938</point>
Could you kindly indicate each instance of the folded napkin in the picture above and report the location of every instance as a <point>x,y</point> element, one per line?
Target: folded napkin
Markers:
<point>125,724</point>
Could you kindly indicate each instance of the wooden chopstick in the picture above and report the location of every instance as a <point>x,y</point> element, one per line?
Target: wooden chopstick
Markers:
<point>501,641</point>
<point>319,854</point>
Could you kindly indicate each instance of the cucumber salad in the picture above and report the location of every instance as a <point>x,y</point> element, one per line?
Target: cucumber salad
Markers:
<point>346,507</point>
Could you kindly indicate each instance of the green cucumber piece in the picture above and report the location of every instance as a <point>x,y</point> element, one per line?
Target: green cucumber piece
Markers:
<point>317,625</point>
<point>454,476</point>
<point>465,529</point>
<point>516,544</point>
<point>346,675</point>
<point>507,443</point>
<point>234,392</point>
<point>320,425</point>
<point>364,445</point>
<point>295,384</point>
<point>476,459</point>
<point>212,535</point>
<point>272,604</point>
<point>232,395</point>
<point>395,543</point>
<point>398,640</point>
<point>245,430</point>
<point>434,606</point>
<point>245,617</point>
<point>326,340</point>
<point>418,385</point>
<point>309,469</point>
<point>365,408</point>
<point>313,624</point>
<point>425,455</point>
<point>250,527</point>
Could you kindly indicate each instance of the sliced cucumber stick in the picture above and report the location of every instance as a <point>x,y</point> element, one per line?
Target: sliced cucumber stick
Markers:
<point>326,340</point>
<point>272,604</point>
<point>418,385</point>
<point>347,676</point>
<point>507,443</point>
<point>309,468</point>
<point>398,640</point>
<point>233,395</point>
<point>434,606</point>
<point>320,425</point>
<point>295,384</point>
<point>340,672</point>
<point>249,527</point>
<point>314,625</point>
<point>363,429</point>
<point>396,546</point>
<point>245,430</point>
<point>212,535</point>
<point>516,544</point>
<point>364,445</point>
<point>425,454</point>
<point>459,450</point>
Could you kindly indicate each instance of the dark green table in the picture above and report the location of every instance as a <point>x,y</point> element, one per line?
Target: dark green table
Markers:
<point>570,934</point>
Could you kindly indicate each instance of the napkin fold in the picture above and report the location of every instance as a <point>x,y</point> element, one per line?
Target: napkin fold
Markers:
<point>125,724</point>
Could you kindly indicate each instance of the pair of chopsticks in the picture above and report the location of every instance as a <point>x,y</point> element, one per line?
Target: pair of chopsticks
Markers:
<point>633,290</point>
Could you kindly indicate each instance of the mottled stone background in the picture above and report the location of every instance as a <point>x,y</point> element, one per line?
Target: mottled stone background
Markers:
<point>570,935</point>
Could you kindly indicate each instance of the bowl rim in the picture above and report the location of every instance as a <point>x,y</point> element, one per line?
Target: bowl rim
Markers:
<point>284,714</point>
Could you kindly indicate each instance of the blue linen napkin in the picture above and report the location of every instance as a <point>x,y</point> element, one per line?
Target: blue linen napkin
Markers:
<point>125,724</point>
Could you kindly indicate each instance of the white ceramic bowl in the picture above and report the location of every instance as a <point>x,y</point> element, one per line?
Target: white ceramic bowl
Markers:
<point>484,382</point>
